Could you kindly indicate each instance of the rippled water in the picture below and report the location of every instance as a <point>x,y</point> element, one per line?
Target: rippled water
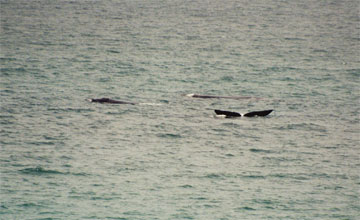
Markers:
<point>63,157</point>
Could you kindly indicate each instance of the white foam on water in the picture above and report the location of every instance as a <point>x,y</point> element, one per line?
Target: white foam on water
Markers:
<point>152,104</point>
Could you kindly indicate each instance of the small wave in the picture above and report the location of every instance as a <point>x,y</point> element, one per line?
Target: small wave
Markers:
<point>264,201</point>
<point>246,208</point>
<point>39,143</point>
<point>113,51</point>
<point>19,69</point>
<point>7,59</point>
<point>80,174</point>
<point>353,72</point>
<point>294,38</point>
<point>290,176</point>
<point>231,125</point>
<point>214,176</point>
<point>168,135</point>
<point>77,110</point>
<point>304,126</point>
<point>253,176</point>
<point>152,104</point>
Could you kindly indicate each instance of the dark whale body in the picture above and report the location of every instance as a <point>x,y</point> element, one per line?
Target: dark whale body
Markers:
<point>229,114</point>
<point>111,101</point>
<point>218,97</point>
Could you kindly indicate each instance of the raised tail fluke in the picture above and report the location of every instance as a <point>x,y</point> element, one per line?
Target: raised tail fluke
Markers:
<point>229,114</point>
<point>258,113</point>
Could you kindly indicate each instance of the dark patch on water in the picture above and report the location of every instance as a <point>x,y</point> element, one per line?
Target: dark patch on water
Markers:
<point>39,171</point>
<point>186,186</point>
<point>113,51</point>
<point>3,207</point>
<point>42,171</point>
<point>227,78</point>
<point>39,143</point>
<point>261,151</point>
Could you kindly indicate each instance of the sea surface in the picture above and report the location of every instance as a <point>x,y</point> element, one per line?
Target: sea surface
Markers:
<point>168,157</point>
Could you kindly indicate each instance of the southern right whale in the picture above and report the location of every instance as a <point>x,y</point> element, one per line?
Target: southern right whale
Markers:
<point>229,114</point>
<point>217,97</point>
<point>110,101</point>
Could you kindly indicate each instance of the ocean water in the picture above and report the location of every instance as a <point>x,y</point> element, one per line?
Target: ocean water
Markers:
<point>63,157</point>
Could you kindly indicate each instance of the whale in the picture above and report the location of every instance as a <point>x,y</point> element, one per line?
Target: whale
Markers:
<point>229,114</point>
<point>217,97</point>
<point>110,101</point>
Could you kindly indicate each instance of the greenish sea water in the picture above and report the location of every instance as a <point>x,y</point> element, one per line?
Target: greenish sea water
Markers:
<point>168,157</point>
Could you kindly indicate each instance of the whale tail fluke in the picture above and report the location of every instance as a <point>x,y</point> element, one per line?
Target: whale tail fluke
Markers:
<point>258,113</point>
<point>229,114</point>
